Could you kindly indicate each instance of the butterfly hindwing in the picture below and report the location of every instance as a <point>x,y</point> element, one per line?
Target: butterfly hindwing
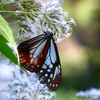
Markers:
<point>51,69</point>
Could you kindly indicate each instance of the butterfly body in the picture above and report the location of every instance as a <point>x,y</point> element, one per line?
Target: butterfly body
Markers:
<point>40,55</point>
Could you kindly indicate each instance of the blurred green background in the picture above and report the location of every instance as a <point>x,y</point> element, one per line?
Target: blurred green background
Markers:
<point>80,54</point>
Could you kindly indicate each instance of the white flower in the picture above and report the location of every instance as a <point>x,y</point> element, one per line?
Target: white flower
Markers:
<point>46,15</point>
<point>93,93</point>
<point>26,87</point>
<point>20,85</point>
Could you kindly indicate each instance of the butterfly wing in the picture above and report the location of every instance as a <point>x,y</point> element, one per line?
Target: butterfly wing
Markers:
<point>33,52</point>
<point>51,69</point>
<point>40,55</point>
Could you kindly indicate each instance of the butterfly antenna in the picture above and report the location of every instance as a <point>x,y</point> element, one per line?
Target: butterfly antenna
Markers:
<point>38,27</point>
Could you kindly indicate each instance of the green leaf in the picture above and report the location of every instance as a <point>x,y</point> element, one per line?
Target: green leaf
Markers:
<point>6,31</point>
<point>7,51</point>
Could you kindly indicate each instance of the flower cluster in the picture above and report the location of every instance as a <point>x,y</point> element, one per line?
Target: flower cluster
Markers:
<point>34,16</point>
<point>15,84</point>
<point>93,94</point>
<point>27,87</point>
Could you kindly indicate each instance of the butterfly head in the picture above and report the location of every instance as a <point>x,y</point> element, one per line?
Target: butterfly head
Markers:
<point>48,35</point>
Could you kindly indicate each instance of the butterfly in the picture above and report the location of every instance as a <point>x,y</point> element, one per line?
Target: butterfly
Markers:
<point>40,55</point>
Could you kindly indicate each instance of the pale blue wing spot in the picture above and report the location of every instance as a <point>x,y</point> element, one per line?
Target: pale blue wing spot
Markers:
<point>31,56</point>
<point>53,85</point>
<point>53,52</point>
<point>46,75</point>
<point>56,85</point>
<point>32,66</point>
<point>44,66</point>
<point>48,70</point>
<point>31,51</point>
<point>59,66</point>
<point>51,75</point>
<point>39,49</point>
<point>41,71</point>
<point>47,62</point>
<point>50,66</point>
<point>56,72</point>
<point>48,80</point>
<point>32,60</point>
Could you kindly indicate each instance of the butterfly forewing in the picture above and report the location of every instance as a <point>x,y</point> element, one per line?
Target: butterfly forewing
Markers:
<point>32,54</point>
<point>51,69</point>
